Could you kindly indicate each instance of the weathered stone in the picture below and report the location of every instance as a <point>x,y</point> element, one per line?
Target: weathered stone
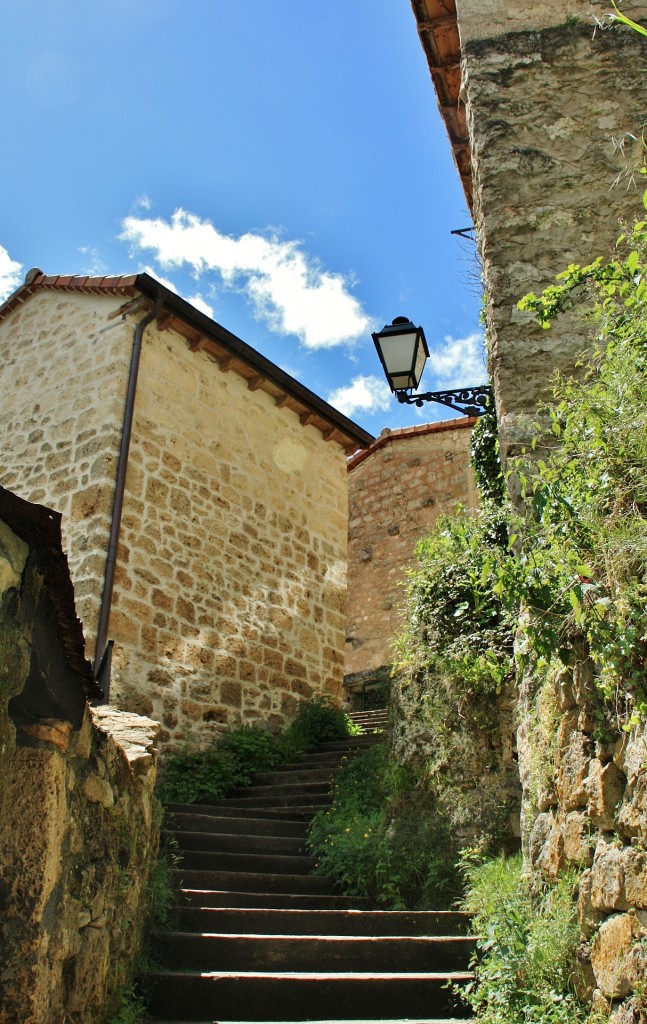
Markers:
<point>617,958</point>
<point>605,785</point>
<point>619,876</point>
<point>578,843</point>
<point>573,770</point>
<point>49,730</point>
<point>98,791</point>
<point>589,918</point>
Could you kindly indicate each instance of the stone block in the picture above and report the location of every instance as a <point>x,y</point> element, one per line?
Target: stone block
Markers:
<point>605,786</point>
<point>617,955</point>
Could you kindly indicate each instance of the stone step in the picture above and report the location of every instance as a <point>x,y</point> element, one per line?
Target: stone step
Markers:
<point>193,819</point>
<point>263,863</point>
<point>277,793</point>
<point>295,775</point>
<point>352,743</point>
<point>319,953</point>
<point>241,842</point>
<point>293,813</point>
<point>321,922</point>
<point>346,1020</point>
<point>231,898</point>
<point>187,995</point>
<point>307,796</point>
<point>254,881</point>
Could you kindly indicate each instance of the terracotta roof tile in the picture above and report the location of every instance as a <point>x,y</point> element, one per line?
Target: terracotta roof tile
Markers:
<point>400,433</point>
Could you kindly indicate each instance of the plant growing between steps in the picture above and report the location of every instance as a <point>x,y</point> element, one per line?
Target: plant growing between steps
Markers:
<point>205,775</point>
<point>381,840</point>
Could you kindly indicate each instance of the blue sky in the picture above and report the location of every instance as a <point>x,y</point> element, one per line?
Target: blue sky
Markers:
<point>283,165</point>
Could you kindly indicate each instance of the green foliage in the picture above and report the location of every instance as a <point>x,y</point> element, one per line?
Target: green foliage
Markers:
<point>381,841</point>
<point>206,775</point>
<point>526,948</point>
<point>582,552</point>
<point>131,1009</point>
<point>617,283</point>
<point>486,459</point>
<point>455,614</point>
<point>319,720</point>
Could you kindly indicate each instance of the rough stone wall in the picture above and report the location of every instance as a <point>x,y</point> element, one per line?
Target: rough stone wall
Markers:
<point>229,600</point>
<point>551,109</point>
<point>585,808</point>
<point>78,834</point>
<point>63,369</point>
<point>397,490</point>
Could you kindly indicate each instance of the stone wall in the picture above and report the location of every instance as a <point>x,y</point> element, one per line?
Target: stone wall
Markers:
<point>229,599</point>
<point>397,489</point>
<point>585,808</point>
<point>554,112</point>
<point>63,367</point>
<point>78,831</point>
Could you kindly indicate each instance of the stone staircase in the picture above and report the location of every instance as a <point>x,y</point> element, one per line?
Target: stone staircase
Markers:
<point>258,937</point>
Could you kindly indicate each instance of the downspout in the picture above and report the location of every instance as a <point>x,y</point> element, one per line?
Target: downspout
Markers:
<point>102,651</point>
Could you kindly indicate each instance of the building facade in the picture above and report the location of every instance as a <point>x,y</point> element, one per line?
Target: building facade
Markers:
<point>397,489</point>
<point>228,602</point>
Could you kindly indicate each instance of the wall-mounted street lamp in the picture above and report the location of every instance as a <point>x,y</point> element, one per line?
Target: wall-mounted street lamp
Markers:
<point>403,352</point>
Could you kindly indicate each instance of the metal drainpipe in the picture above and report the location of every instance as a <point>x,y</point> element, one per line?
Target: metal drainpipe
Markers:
<point>118,504</point>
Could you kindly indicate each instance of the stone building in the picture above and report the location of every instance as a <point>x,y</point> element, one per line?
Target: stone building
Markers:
<point>544,111</point>
<point>228,597</point>
<point>397,489</point>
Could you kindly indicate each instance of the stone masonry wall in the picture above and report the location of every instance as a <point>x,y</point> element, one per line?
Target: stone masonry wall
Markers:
<point>78,834</point>
<point>229,600</point>
<point>555,112</point>
<point>397,490</point>
<point>585,808</point>
<point>63,370</point>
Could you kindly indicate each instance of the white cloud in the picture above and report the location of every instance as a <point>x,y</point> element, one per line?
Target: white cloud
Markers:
<point>365,394</point>
<point>288,289</point>
<point>460,362</point>
<point>199,303</point>
<point>10,274</point>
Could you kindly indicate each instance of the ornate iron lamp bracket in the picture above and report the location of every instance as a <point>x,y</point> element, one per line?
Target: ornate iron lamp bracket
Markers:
<point>473,401</point>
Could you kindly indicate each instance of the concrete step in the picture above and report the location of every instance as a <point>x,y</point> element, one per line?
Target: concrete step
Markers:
<point>192,819</point>
<point>321,922</point>
<point>319,953</point>
<point>351,744</point>
<point>253,881</point>
<point>239,842</point>
<point>267,995</point>
<point>264,863</point>
<point>234,899</point>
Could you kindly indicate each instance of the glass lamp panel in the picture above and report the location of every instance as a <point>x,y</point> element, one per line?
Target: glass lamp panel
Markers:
<point>398,353</point>
<point>421,359</point>
<point>401,381</point>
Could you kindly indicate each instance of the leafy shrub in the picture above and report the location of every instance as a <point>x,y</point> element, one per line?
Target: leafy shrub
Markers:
<point>582,565</point>
<point>453,612</point>
<point>202,776</point>
<point>393,852</point>
<point>319,720</point>
<point>526,948</point>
